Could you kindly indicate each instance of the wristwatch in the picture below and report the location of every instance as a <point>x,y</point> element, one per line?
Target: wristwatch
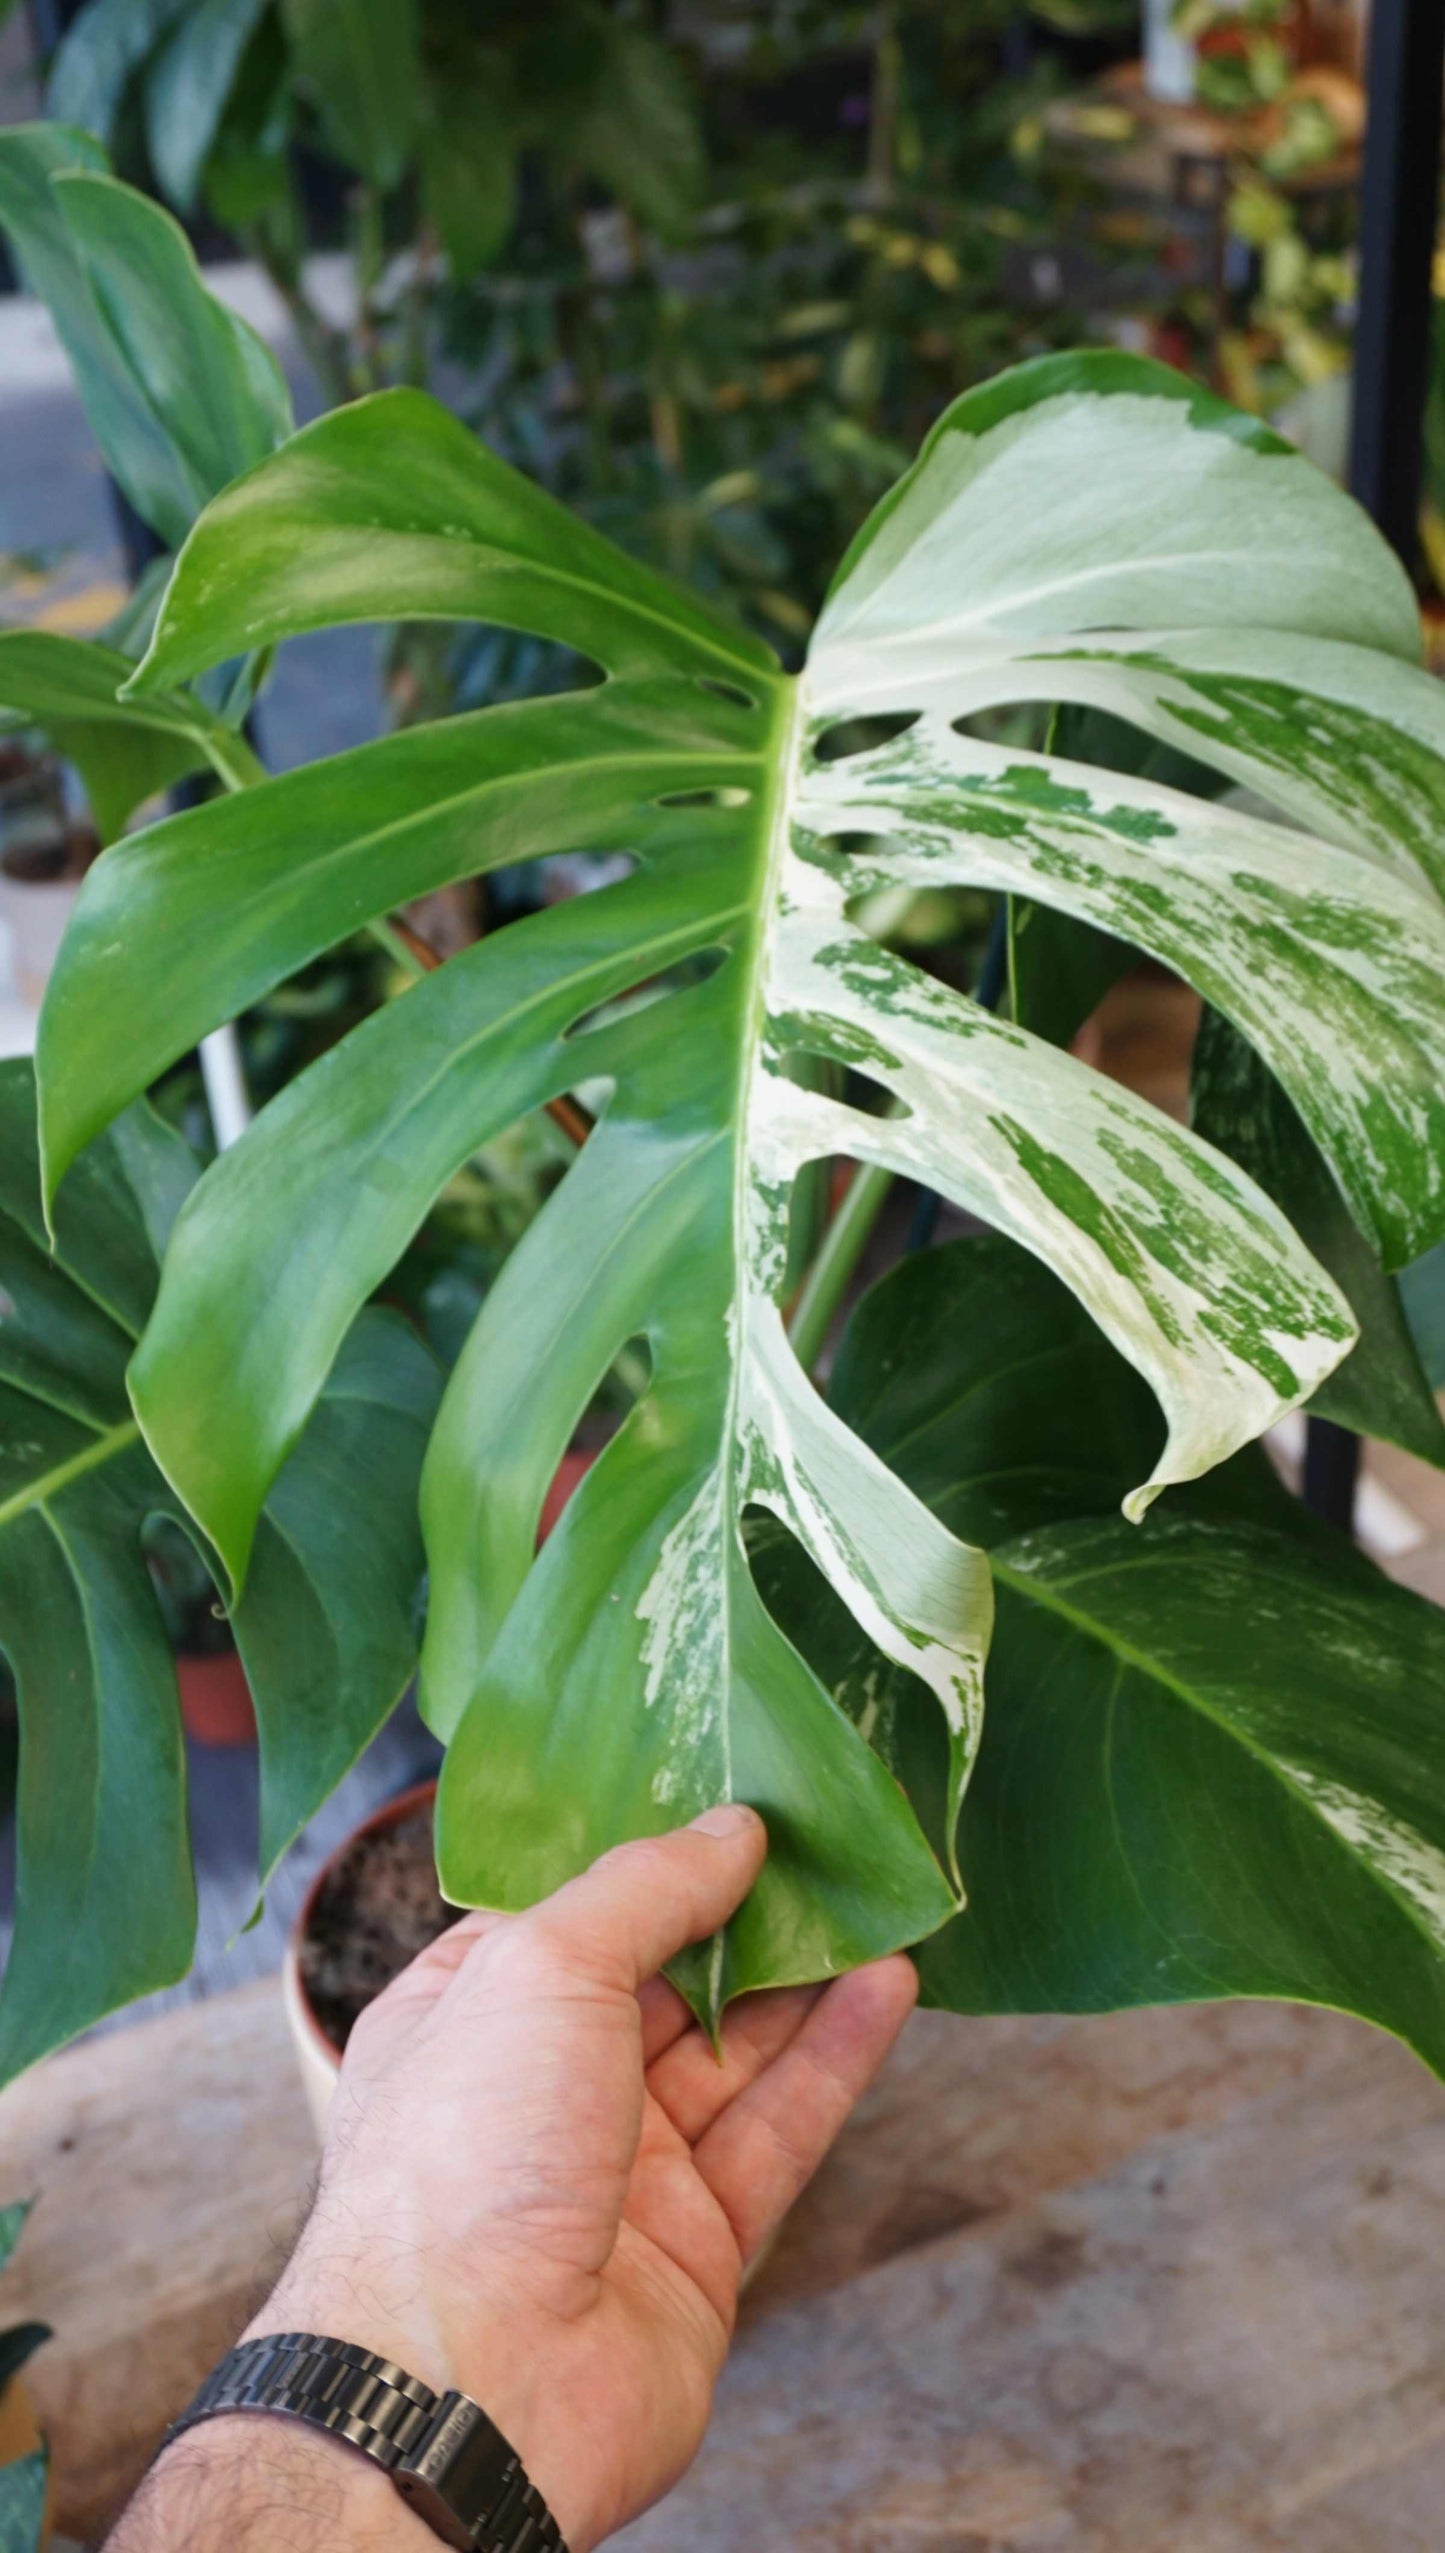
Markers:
<point>446,2458</point>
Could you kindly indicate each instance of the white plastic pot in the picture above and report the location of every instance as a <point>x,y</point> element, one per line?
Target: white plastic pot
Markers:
<point>318,2060</point>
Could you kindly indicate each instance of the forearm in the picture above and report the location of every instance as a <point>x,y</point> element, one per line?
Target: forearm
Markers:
<point>256,2483</point>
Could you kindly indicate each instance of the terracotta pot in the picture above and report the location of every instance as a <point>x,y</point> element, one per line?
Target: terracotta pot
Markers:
<point>20,2436</point>
<point>216,1705</point>
<point>319,2061</point>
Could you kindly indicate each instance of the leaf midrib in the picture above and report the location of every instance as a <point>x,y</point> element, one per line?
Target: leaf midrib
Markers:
<point>789,734</point>
<point>73,1276</point>
<point>39,1493</point>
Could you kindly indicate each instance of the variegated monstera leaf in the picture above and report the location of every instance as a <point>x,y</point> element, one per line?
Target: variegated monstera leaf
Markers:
<point>1089,528</point>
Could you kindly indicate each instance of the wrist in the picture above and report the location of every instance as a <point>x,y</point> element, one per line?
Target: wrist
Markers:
<point>250,2482</point>
<point>501,2364</point>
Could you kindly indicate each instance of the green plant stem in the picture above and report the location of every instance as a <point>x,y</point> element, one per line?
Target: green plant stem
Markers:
<point>844,1243</point>
<point>416,309</point>
<point>388,937</point>
<point>369,251</point>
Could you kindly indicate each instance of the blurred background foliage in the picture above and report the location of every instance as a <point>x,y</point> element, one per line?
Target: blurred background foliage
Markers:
<point>709,268</point>
<point>709,272</point>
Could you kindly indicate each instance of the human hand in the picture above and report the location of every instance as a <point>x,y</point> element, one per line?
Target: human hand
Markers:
<point>541,2187</point>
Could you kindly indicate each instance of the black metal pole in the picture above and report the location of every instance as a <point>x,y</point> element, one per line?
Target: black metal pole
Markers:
<point>1399,208</point>
<point>1399,205</point>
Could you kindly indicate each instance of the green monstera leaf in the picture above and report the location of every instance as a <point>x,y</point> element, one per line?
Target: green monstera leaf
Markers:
<point>124,750</point>
<point>105,1903</point>
<point>1089,528</point>
<point>1211,1759</point>
<point>180,394</point>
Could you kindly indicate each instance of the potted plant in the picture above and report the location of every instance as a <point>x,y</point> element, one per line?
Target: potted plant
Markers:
<point>371,1907</point>
<point>45,850</point>
<point>1208,1736</point>
<point>24,2465</point>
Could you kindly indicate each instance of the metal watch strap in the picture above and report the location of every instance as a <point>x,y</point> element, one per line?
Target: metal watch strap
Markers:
<point>446,2458</point>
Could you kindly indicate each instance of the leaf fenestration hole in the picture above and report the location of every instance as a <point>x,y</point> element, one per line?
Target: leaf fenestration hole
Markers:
<point>687,972</point>
<point>553,877</point>
<point>727,691</point>
<point>846,1079</point>
<point>633,1367</point>
<point>622,1386</point>
<point>1021,726</point>
<point>862,735</point>
<point>854,845</point>
<point>720,797</point>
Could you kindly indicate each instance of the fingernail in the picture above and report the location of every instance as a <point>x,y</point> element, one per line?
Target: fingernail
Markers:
<point>729,1818</point>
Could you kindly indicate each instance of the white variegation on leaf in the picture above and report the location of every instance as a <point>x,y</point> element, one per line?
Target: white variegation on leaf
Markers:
<point>1088,528</point>
<point>1332,964</point>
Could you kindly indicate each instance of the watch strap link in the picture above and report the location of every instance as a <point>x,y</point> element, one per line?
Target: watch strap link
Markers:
<point>442,2452</point>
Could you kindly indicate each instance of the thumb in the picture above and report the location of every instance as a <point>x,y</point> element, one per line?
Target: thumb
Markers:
<point>645,1901</point>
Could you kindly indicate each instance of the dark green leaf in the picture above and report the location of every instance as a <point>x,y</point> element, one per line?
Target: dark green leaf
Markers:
<point>248,178</point>
<point>99,55</point>
<point>1211,1760</point>
<point>212,386</point>
<point>468,153</point>
<point>1059,968</point>
<point>986,1385</point>
<point>1422,1293</point>
<point>358,60</point>
<point>180,394</point>
<point>1381,1389</point>
<point>104,1896</point>
<point>328,1624</point>
<point>187,87</point>
<point>124,750</point>
<point>1211,1767</point>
